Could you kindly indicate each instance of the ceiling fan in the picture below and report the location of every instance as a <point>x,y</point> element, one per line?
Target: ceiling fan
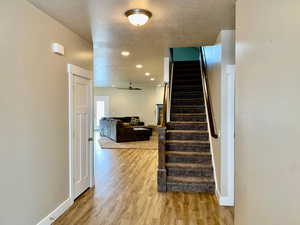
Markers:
<point>131,88</point>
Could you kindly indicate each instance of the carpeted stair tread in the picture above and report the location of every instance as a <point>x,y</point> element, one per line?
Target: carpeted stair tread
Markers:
<point>187,125</point>
<point>187,147</point>
<point>188,85</point>
<point>188,153</point>
<point>184,75</point>
<point>180,94</point>
<point>171,179</point>
<point>192,108</point>
<point>188,99</point>
<point>189,122</point>
<point>183,79</point>
<point>186,142</point>
<point>188,131</point>
<point>189,114</point>
<point>187,102</point>
<point>187,106</point>
<point>194,116</point>
<point>189,80</point>
<point>189,92</point>
<point>187,69</point>
<point>188,165</point>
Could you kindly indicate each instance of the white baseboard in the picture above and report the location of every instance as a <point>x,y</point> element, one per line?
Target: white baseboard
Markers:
<point>224,200</point>
<point>48,220</point>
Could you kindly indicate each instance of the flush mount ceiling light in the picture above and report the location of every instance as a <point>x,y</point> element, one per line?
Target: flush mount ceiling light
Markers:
<point>139,66</point>
<point>147,74</point>
<point>138,17</point>
<point>125,53</point>
<point>152,79</point>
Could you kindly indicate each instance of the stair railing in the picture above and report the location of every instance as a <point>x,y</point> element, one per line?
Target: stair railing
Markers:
<point>205,84</point>
<point>162,132</point>
<point>165,105</point>
<point>167,98</point>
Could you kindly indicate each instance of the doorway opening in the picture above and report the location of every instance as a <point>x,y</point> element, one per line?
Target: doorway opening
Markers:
<point>101,108</point>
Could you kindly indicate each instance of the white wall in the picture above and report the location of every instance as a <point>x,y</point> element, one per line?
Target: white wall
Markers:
<point>267,112</point>
<point>218,57</point>
<point>133,103</point>
<point>33,111</point>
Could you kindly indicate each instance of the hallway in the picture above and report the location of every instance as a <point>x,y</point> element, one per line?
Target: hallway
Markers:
<point>126,194</point>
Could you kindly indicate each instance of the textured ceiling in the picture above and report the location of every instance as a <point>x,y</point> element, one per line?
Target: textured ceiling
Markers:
<point>175,23</point>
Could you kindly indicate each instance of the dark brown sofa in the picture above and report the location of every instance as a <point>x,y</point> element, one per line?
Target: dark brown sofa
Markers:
<point>121,129</point>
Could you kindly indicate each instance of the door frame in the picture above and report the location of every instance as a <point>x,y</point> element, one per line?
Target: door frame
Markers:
<point>75,71</point>
<point>105,99</point>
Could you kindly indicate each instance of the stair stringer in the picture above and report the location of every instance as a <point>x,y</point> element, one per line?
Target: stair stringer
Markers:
<point>217,193</point>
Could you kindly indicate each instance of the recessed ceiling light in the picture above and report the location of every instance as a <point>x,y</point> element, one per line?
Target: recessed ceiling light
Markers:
<point>139,66</point>
<point>147,74</point>
<point>125,53</point>
<point>152,79</point>
<point>138,17</point>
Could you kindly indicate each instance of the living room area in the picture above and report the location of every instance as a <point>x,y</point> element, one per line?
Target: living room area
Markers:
<point>127,118</point>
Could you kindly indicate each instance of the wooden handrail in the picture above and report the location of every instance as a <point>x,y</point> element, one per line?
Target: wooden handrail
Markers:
<point>167,96</point>
<point>165,105</point>
<point>212,124</point>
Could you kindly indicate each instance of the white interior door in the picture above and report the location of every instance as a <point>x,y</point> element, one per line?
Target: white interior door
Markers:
<point>82,127</point>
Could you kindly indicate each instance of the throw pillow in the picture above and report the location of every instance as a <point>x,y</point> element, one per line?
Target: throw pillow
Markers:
<point>134,121</point>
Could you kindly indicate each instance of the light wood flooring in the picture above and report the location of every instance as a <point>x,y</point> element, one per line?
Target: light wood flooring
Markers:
<point>126,194</point>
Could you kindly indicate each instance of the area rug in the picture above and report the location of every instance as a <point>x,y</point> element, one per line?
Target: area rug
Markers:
<point>152,144</point>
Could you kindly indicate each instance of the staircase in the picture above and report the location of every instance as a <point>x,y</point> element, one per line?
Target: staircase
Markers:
<point>185,163</point>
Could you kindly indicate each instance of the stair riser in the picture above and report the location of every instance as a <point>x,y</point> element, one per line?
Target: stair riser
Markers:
<point>204,159</point>
<point>192,85</point>
<point>186,95</point>
<point>202,187</point>
<point>187,77</point>
<point>187,88</point>
<point>199,109</point>
<point>188,147</point>
<point>187,126</point>
<point>186,82</point>
<point>188,102</point>
<point>179,172</point>
<point>188,63</point>
<point>188,136</point>
<point>187,69</point>
<point>188,118</point>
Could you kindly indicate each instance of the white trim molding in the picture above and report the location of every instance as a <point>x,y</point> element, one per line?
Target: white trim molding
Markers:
<point>224,200</point>
<point>226,195</point>
<point>48,220</point>
<point>77,71</point>
<point>166,70</point>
